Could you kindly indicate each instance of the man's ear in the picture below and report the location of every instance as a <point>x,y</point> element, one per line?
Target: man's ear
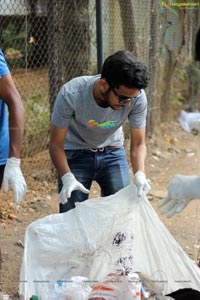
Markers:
<point>103,85</point>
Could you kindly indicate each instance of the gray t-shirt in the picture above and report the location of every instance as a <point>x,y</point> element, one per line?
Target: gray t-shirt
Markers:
<point>90,125</point>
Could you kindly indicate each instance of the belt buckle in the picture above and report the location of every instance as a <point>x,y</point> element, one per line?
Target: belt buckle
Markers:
<point>97,149</point>
<point>93,149</point>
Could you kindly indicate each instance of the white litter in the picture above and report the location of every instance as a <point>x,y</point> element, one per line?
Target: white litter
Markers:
<point>101,236</point>
<point>189,121</point>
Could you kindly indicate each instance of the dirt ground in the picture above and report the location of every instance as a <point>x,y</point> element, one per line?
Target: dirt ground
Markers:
<point>170,151</point>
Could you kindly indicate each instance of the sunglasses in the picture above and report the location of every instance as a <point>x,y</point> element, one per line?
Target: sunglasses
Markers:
<point>124,99</point>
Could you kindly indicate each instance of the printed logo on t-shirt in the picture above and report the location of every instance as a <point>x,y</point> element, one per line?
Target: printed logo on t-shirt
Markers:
<point>107,124</point>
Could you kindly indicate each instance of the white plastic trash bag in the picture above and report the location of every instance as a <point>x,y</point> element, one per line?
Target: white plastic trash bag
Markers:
<point>101,236</point>
<point>189,120</point>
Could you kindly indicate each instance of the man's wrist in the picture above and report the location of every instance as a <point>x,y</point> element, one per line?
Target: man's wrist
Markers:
<point>139,172</point>
<point>13,162</point>
<point>68,175</point>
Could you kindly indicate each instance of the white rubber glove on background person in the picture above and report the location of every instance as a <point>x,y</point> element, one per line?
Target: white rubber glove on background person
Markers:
<point>181,190</point>
<point>13,176</point>
<point>70,184</point>
<point>142,184</point>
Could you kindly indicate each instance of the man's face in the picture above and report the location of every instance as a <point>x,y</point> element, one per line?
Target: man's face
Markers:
<point>116,98</point>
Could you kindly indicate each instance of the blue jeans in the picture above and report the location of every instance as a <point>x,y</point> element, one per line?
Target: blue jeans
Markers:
<point>108,168</point>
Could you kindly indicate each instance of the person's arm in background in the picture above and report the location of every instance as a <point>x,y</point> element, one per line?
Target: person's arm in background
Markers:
<point>137,156</point>
<point>59,159</point>
<point>12,172</point>
<point>181,190</point>
<point>10,95</point>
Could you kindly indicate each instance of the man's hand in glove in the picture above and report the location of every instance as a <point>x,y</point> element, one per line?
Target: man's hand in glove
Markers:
<point>14,176</point>
<point>181,190</point>
<point>142,184</point>
<point>70,184</point>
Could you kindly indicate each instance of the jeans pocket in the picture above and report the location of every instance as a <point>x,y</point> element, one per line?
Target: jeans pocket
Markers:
<point>118,152</point>
<point>72,154</point>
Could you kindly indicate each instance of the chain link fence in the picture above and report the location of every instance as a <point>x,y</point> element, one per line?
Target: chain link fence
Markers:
<point>46,43</point>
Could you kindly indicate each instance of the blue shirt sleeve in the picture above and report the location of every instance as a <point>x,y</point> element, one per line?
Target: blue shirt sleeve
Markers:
<point>3,65</point>
<point>4,132</point>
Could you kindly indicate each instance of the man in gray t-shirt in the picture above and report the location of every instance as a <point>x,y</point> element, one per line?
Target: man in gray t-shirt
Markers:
<point>86,136</point>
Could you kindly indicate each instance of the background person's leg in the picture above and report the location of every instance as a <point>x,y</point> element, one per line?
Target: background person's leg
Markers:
<point>2,167</point>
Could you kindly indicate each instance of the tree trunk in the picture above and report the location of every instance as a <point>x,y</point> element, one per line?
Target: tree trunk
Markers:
<point>69,43</point>
<point>166,104</point>
<point>54,59</point>
<point>153,66</point>
<point>75,27</point>
<point>128,26</point>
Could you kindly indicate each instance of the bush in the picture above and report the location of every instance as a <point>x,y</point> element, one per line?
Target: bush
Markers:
<point>14,45</point>
<point>37,122</point>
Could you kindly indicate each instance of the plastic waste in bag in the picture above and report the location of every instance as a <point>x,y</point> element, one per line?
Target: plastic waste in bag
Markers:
<point>35,297</point>
<point>56,293</point>
<point>151,286</point>
<point>113,287</point>
<point>136,287</point>
<point>119,287</point>
<point>77,288</point>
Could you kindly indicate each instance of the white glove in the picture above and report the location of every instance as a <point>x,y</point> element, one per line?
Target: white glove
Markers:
<point>142,184</point>
<point>70,184</point>
<point>14,176</point>
<point>181,190</point>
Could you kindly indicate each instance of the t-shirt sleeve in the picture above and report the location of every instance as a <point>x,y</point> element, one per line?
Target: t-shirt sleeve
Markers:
<point>63,109</point>
<point>3,65</point>
<point>137,116</point>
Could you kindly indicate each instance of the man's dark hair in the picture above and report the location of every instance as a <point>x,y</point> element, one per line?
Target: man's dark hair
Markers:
<point>122,68</point>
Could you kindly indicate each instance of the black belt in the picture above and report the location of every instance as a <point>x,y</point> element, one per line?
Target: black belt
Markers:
<point>102,149</point>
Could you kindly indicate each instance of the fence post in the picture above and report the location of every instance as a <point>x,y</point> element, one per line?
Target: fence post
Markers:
<point>99,35</point>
